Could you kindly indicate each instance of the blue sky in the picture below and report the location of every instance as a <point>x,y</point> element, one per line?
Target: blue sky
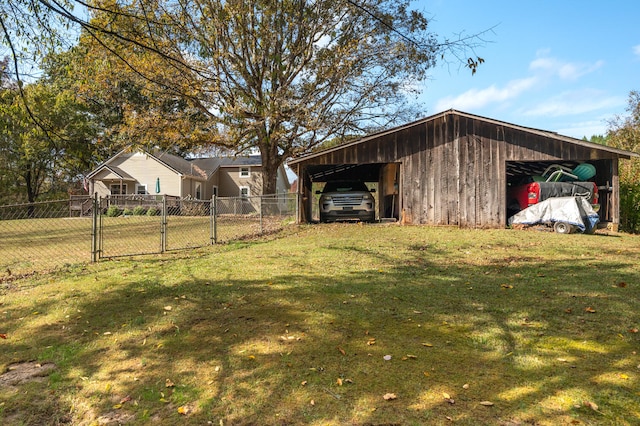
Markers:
<point>566,66</point>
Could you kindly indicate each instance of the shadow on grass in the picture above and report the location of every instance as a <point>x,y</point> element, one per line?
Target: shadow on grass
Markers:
<point>303,342</point>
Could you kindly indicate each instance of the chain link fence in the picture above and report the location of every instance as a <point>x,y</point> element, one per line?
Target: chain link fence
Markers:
<point>41,236</point>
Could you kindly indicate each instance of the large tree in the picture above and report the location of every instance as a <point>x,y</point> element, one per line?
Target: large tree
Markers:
<point>286,75</point>
<point>280,76</point>
<point>44,148</point>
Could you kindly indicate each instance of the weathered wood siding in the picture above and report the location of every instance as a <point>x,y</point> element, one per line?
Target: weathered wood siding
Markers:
<point>453,167</point>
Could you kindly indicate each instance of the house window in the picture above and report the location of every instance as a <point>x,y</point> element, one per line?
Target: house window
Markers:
<point>198,191</point>
<point>114,188</point>
<point>141,189</point>
<point>245,172</point>
<point>244,191</point>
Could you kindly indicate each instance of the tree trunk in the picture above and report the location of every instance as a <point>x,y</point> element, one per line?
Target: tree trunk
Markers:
<point>271,161</point>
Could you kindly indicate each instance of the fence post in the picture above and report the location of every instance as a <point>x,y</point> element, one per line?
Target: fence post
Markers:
<point>94,229</point>
<point>214,221</point>
<point>163,225</point>
<point>260,206</point>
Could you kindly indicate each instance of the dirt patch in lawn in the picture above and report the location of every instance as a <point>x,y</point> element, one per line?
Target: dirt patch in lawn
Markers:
<point>25,372</point>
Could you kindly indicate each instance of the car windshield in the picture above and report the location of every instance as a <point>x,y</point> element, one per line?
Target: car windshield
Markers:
<point>344,187</point>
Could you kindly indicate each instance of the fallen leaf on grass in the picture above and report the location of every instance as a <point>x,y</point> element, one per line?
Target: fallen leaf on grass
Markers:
<point>631,330</point>
<point>428,345</point>
<point>3,336</point>
<point>341,351</point>
<point>312,402</point>
<point>448,398</point>
<point>125,399</point>
<point>389,396</point>
<point>184,410</point>
<point>168,383</point>
<point>288,338</point>
<point>590,310</point>
<point>506,286</point>
<point>465,386</point>
<point>371,341</point>
<point>591,405</point>
<point>404,358</point>
<point>622,284</point>
<point>486,403</point>
<point>167,308</point>
<point>304,383</point>
<point>624,377</point>
<point>339,381</point>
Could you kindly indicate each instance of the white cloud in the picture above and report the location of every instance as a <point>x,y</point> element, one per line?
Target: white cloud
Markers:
<point>584,129</point>
<point>636,50</point>
<point>475,98</point>
<point>564,70</point>
<point>574,103</point>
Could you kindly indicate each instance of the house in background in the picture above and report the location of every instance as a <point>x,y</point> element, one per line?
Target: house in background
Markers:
<point>161,173</point>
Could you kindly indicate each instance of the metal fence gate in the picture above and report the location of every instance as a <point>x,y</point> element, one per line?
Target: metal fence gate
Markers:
<point>38,236</point>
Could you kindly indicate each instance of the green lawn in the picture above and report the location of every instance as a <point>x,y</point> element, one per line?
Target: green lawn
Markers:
<point>36,245</point>
<point>482,327</point>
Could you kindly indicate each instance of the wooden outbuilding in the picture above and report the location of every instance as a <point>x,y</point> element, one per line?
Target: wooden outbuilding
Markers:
<point>454,168</point>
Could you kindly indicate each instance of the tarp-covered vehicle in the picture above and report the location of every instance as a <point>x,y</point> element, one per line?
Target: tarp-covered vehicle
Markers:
<point>565,214</point>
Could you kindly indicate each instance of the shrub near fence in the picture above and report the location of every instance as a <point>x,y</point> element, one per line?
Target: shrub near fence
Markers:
<point>50,234</point>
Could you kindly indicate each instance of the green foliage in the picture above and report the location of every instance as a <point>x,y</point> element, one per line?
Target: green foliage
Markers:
<point>630,206</point>
<point>113,211</point>
<point>152,211</point>
<point>624,133</point>
<point>45,156</point>
<point>278,76</point>
<point>139,211</point>
<point>599,139</point>
<point>127,212</point>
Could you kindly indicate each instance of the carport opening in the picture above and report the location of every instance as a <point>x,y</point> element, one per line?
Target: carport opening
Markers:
<point>382,178</point>
<point>523,172</point>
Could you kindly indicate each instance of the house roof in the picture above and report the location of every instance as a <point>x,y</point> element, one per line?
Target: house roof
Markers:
<point>545,133</point>
<point>179,164</point>
<point>118,172</point>
<point>249,160</point>
<point>173,162</point>
<point>209,164</point>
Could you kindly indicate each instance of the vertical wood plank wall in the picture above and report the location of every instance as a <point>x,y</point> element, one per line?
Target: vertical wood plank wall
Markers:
<point>453,167</point>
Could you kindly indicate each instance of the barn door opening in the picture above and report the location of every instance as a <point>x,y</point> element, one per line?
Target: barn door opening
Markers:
<point>389,195</point>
